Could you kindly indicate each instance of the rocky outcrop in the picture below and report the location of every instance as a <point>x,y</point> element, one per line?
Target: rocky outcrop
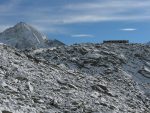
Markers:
<point>116,41</point>
<point>83,78</point>
<point>131,59</point>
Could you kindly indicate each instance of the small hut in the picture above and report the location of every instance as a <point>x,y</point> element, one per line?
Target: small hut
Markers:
<point>116,41</point>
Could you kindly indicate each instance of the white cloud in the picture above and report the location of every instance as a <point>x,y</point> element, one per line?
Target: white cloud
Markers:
<point>8,6</point>
<point>116,10</point>
<point>82,36</point>
<point>4,27</point>
<point>50,18</point>
<point>50,29</point>
<point>93,11</point>
<point>128,29</point>
<point>97,11</point>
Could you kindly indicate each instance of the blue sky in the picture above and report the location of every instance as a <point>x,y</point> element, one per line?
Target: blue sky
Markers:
<point>77,21</point>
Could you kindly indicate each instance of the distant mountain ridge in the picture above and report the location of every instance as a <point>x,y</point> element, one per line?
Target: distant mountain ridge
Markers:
<point>23,36</point>
<point>148,43</point>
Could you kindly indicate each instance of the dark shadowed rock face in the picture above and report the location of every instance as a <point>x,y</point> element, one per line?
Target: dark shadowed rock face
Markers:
<point>116,41</point>
<point>84,78</point>
<point>24,36</point>
<point>54,43</point>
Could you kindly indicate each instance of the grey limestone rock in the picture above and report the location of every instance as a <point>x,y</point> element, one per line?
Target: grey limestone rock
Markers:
<point>81,78</point>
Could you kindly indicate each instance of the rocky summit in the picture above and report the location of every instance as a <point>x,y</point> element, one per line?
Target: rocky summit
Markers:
<point>24,36</point>
<point>81,78</point>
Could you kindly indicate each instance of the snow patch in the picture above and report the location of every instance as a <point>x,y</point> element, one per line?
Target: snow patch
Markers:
<point>27,27</point>
<point>44,37</point>
<point>36,38</point>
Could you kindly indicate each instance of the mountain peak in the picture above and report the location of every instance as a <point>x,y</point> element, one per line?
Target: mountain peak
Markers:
<point>22,25</point>
<point>24,36</point>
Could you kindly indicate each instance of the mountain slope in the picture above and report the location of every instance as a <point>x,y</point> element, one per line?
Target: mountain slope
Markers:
<point>24,36</point>
<point>83,78</point>
<point>130,59</point>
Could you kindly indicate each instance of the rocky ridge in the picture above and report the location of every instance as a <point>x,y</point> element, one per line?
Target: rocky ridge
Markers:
<point>132,59</point>
<point>82,78</point>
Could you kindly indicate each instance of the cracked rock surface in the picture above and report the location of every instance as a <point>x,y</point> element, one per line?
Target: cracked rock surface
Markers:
<point>81,78</point>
